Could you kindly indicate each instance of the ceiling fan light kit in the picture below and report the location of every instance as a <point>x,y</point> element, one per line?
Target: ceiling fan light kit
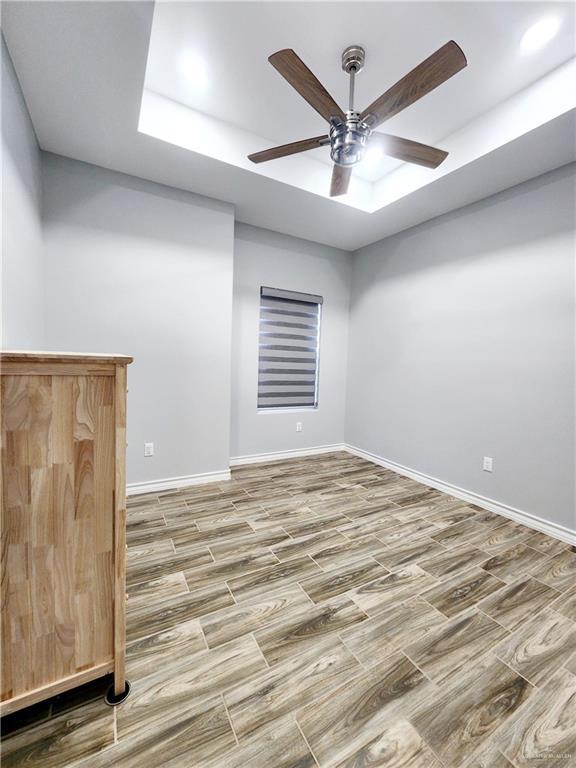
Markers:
<point>351,132</point>
<point>348,139</point>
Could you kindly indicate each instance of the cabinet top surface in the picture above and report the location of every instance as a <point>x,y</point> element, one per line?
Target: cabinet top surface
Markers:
<point>19,356</point>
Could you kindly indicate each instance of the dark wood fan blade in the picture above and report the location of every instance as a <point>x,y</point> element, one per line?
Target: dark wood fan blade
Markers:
<point>293,69</point>
<point>288,149</point>
<point>431,73</point>
<point>340,179</point>
<point>409,151</point>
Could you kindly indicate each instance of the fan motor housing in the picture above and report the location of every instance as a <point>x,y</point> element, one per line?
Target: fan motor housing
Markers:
<point>348,139</point>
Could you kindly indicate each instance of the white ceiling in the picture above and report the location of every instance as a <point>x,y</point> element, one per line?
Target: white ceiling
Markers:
<point>83,68</point>
<point>232,42</point>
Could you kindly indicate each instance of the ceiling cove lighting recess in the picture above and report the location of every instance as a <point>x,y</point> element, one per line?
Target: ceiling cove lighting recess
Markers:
<point>539,34</point>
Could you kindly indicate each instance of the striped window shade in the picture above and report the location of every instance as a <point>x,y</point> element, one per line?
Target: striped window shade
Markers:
<point>288,349</point>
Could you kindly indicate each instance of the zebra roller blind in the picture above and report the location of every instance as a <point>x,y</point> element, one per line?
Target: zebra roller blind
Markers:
<point>288,349</point>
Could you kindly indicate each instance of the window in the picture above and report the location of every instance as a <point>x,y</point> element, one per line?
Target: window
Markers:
<point>288,349</point>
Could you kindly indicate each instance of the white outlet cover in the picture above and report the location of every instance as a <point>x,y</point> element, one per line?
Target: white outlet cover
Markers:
<point>487,464</point>
<point>148,449</point>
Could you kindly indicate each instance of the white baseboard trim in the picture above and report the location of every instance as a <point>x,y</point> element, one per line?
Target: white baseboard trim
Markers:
<point>526,518</point>
<point>169,483</point>
<point>259,458</point>
<point>512,513</point>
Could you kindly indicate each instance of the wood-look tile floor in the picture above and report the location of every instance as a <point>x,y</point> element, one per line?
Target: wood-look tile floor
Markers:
<point>327,612</point>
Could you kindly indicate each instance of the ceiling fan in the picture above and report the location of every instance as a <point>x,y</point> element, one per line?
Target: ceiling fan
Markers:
<point>351,131</point>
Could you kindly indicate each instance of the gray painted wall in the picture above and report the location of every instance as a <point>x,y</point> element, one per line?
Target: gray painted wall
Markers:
<point>462,346</point>
<point>22,273</point>
<point>262,257</point>
<point>138,268</point>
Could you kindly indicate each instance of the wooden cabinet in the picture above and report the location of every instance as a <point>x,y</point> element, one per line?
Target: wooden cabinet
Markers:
<point>63,522</point>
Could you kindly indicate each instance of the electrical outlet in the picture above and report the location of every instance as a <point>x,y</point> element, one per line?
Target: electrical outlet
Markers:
<point>148,449</point>
<point>487,464</point>
<point>298,426</point>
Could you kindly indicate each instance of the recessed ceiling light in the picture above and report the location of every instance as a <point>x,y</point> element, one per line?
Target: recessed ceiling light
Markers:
<point>373,155</point>
<point>193,70</point>
<point>539,34</point>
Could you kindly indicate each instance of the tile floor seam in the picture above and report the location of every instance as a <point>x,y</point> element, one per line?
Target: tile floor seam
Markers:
<point>441,762</point>
<point>229,720</point>
<point>351,652</point>
<point>306,742</point>
<point>253,636</point>
<point>510,631</point>
<point>559,592</point>
<point>231,595</point>
<point>204,635</point>
<point>411,660</point>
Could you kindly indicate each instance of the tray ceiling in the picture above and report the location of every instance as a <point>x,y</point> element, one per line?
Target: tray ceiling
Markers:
<point>179,93</point>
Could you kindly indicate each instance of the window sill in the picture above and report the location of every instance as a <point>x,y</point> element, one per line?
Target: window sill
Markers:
<point>287,410</point>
